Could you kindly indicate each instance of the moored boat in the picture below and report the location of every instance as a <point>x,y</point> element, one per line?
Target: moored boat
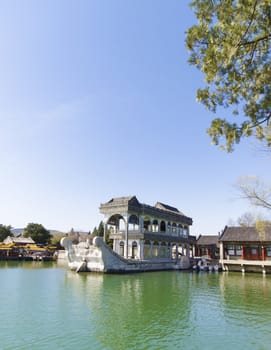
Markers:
<point>206,265</point>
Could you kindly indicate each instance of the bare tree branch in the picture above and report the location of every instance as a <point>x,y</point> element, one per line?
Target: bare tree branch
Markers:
<point>258,193</point>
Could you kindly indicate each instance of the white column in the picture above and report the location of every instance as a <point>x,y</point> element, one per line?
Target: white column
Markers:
<point>193,250</point>
<point>221,252</point>
<point>126,236</point>
<point>159,249</point>
<point>141,255</point>
<point>141,223</point>
<point>188,250</point>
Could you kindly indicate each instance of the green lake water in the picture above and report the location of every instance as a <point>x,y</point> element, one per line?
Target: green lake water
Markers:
<point>46,306</point>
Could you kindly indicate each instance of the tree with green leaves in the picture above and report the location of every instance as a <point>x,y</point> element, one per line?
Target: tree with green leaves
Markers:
<point>95,232</point>
<point>38,233</point>
<point>74,236</point>
<point>100,231</point>
<point>231,45</point>
<point>5,231</point>
<point>55,240</point>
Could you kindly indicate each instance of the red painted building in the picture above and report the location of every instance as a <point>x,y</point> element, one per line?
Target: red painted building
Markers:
<point>246,249</point>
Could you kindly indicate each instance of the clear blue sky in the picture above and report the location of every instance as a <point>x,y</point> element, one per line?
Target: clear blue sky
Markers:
<point>97,100</point>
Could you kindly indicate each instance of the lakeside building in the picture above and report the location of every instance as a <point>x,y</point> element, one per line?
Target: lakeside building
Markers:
<point>145,238</point>
<point>19,240</point>
<point>23,248</point>
<point>141,231</point>
<point>208,246</point>
<point>246,249</point>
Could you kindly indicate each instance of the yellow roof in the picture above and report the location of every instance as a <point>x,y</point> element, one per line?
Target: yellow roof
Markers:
<point>35,247</point>
<point>6,246</point>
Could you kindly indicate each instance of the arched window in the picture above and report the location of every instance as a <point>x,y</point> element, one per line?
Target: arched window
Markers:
<point>134,250</point>
<point>179,229</point>
<point>133,223</point>
<point>163,250</point>
<point>163,226</point>
<point>147,224</point>
<point>155,226</point>
<point>155,249</point>
<point>147,249</point>
<point>122,248</point>
<point>116,221</point>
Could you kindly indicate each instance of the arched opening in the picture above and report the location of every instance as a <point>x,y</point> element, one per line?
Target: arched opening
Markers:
<point>133,224</point>
<point>155,249</point>
<point>121,248</point>
<point>155,226</point>
<point>174,228</point>
<point>147,249</point>
<point>179,230</point>
<point>134,250</point>
<point>117,222</point>
<point>163,250</point>
<point>147,224</point>
<point>163,226</point>
<point>174,251</point>
<point>168,250</point>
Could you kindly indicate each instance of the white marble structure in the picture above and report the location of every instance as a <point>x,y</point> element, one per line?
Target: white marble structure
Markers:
<point>141,231</point>
<point>145,238</point>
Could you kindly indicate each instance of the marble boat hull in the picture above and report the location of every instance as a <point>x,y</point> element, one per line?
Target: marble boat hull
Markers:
<point>98,257</point>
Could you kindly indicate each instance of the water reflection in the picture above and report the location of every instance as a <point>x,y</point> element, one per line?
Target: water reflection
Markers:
<point>165,310</point>
<point>248,288</point>
<point>233,307</point>
<point>247,304</point>
<point>125,307</point>
<point>59,309</point>
<point>15,264</point>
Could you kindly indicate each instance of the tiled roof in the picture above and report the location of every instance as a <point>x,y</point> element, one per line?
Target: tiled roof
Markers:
<point>207,240</point>
<point>120,200</point>
<point>19,240</point>
<point>248,234</point>
<point>166,207</point>
<point>131,204</point>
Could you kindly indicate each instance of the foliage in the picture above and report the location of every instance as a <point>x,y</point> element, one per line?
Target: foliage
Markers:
<point>100,233</point>
<point>55,240</point>
<point>5,231</point>
<point>95,232</point>
<point>260,227</point>
<point>38,233</point>
<point>74,236</point>
<point>231,46</point>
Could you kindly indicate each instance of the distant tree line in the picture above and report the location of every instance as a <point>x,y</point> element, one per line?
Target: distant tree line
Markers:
<point>5,231</point>
<point>43,236</point>
<point>36,231</point>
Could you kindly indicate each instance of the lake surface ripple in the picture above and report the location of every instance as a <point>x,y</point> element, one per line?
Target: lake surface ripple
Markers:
<point>44,305</point>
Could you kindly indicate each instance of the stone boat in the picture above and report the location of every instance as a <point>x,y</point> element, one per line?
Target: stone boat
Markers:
<point>145,238</point>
